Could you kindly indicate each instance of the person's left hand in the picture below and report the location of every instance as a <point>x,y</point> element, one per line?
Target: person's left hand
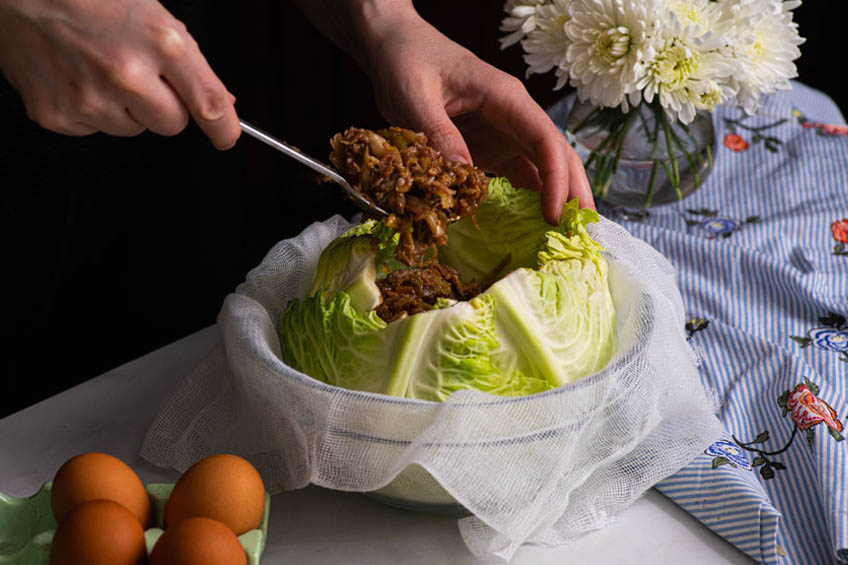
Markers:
<point>469,109</point>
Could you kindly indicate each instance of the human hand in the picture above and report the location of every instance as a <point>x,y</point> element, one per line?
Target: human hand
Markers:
<point>468,108</point>
<point>116,66</point>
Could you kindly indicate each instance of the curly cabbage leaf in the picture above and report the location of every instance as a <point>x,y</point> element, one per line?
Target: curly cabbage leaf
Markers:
<point>509,224</point>
<point>548,322</point>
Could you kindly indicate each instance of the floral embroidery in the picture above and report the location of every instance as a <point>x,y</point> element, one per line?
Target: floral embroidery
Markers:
<point>727,453</point>
<point>830,339</point>
<point>696,325</point>
<point>807,411</point>
<point>833,336</point>
<point>735,142</point>
<point>834,129</point>
<point>719,226</point>
<point>828,130</point>
<point>714,225</point>
<point>839,229</point>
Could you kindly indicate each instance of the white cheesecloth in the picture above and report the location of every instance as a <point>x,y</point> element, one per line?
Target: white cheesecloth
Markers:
<point>544,468</point>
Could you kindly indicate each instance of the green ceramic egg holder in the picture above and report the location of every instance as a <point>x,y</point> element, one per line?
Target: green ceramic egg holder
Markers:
<point>27,525</point>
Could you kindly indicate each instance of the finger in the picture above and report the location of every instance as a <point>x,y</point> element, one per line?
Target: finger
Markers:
<point>83,106</point>
<point>46,115</point>
<point>550,159</point>
<point>492,149</point>
<point>512,109</point>
<point>521,172</point>
<point>201,91</point>
<point>159,109</point>
<point>117,121</point>
<point>445,138</point>
<point>578,182</point>
<point>442,134</point>
<point>78,129</point>
<point>75,129</point>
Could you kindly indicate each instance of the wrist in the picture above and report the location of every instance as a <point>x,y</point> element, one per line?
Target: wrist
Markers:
<point>374,23</point>
<point>359,27</point>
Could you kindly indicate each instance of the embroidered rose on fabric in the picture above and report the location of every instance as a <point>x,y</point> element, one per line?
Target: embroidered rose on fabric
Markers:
<point>834,129</point>
<point>735,142</point>
<point>829,130</point>
<point>808,410</point>
<point>758,134</point>
<point>839,229</point>
<point>727,453</point>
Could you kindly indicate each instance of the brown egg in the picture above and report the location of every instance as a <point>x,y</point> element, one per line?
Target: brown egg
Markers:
<point>198,541</point>
<point>222,487</point>
<point>98,532</point>
<point>92,476</point>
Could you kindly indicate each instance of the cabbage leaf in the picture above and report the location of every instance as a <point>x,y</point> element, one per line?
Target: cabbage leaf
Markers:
<point>548,322</point>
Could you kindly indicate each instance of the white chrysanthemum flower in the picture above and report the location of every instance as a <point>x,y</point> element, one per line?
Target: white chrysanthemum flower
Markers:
<point>764,41</point>
<point>705,14</point>
<point>609,38</point>
<point>707,94</point>
<point>520,21</point>
<point>545,46</point>
<point>687,69</point>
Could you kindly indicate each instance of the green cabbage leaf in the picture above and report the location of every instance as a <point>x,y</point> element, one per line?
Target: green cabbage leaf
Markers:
<point>549,321</point>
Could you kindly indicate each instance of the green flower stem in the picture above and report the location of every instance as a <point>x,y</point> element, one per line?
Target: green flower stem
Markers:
<point>693,168</point>
<point>649,196</point>
<point>619,142</point>
<point>668,172</point>
<point>606,166</point>
<point>655,137</point>
<point>652,136</point>
<point>693,163</point>
<point>754,129</point>
<point>604,160</point>
<point>598,188</point>
<point>748,447</point>
<point>694,157</point>
<point>590,118</point>
<point>598,150</point>
<point>675,168</point>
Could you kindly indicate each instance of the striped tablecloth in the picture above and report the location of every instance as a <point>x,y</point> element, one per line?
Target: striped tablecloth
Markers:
<point>761,251</point>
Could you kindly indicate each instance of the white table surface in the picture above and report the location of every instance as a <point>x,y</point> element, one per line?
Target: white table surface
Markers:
<point>111,413</point>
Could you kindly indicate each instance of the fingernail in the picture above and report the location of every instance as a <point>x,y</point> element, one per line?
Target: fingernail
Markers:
<point>459,159</point>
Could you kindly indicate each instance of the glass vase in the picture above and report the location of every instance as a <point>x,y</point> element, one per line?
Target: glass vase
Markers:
<point>641,158</point>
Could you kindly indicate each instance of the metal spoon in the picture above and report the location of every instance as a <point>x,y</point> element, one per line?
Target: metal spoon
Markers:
<point>316,165</point>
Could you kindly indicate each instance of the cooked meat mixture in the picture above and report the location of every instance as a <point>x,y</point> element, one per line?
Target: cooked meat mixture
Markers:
<point>422,191</point>
<point>412,291</point>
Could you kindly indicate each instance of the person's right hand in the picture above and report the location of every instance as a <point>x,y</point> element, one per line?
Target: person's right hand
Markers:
<point>112,66</point>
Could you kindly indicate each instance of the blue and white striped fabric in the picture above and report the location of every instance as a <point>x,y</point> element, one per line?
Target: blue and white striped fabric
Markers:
<point>764,277</point>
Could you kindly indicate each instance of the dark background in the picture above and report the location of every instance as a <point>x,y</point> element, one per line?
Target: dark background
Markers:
<point>113,247</point>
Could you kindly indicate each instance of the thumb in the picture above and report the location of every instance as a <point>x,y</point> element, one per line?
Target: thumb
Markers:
<point>444,136</point>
